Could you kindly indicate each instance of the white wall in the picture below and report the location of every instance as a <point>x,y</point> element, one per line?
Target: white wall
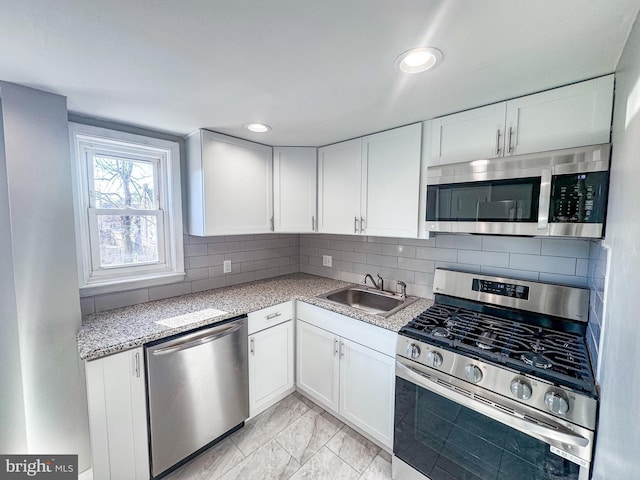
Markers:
<point>619,432</point>
<point>36,149</point>
<point>13,434</point>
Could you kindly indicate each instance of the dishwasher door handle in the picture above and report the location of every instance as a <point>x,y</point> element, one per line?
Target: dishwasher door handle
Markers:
<point>210,336</point>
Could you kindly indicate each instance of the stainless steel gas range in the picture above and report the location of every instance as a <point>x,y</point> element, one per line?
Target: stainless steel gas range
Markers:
<point>494,382</point>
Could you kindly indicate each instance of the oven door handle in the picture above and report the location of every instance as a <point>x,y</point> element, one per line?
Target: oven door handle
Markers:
<point>548,435</point>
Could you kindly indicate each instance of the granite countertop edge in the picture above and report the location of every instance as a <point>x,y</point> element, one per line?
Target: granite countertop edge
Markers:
<point>121,329</point>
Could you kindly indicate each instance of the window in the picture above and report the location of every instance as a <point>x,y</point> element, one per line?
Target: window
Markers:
<point>128,210</point>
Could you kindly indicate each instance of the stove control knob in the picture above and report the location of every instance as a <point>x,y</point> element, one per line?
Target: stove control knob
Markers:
<point>521,389</point>
<point>556,402</point>
<point>473,373</point>
<point>413,350</point>
<point>434,359</point>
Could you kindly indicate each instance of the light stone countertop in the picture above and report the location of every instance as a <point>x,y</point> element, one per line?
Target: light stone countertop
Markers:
<point>121,329</point>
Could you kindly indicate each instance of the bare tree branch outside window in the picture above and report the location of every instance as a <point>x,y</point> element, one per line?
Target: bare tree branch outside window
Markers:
<point>123,186</point>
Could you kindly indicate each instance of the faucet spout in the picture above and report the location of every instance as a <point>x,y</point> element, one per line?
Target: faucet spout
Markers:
<point>377,285</point>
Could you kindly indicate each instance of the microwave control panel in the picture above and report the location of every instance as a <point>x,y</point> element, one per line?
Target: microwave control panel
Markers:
<point>579,198</point>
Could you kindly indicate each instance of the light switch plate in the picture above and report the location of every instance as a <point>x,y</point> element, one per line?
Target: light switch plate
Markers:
<point>327,260</point>
<point>226,266</point>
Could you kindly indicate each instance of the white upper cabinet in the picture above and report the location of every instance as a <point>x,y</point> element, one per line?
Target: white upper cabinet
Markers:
<point>294,189</point>
<point>339,177</point>
<point>230,185</point>
<point>570,116</point>
<point>565,117</point>
<point>370,185</point>
<point>477,133</point>
<point>391,182</point>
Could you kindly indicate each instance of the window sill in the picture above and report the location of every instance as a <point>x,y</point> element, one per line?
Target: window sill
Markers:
<point>130,284</point>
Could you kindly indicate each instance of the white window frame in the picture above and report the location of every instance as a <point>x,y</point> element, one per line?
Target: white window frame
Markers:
<point>87,140</point>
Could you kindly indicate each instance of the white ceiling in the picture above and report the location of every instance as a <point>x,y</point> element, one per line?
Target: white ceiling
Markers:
<point>317,71</point>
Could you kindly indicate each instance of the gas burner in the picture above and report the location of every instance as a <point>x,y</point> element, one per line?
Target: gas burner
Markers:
<point>537,347</point>
<point>485,342</point>
<point>450,322</point>
<point>441,332</point>
<point>536,360</point>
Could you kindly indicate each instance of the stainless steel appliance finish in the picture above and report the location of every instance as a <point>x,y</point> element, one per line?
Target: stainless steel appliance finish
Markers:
<point>544,298</point>
<point>500,367</point>
<point>198,389</point>
<point>544,201</point>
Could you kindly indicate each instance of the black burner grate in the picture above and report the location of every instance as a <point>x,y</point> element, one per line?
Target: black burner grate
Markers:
<point>558,356</point>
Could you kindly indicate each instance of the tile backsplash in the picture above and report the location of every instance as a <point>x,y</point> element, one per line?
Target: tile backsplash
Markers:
<point>253,257</point>
<point>414,261</point>
<point>598,259</point>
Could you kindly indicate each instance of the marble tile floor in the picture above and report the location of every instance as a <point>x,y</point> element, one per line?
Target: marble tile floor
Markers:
<point>294,439</point>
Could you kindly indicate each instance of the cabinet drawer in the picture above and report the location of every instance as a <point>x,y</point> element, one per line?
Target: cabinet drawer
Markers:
<point>270,316</point>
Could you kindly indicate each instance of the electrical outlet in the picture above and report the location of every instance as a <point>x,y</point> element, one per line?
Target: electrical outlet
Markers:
<point>226,266</point>
<point>326,260</point>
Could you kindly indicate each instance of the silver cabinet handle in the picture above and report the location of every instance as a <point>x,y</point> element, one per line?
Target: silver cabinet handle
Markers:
<point>313,223</point>
<point>273,315</point>
<point>362,227</point>
<point>509,147</point>
<point>498,142</point>
<point>272,224</point>
<point>137,364</point>
<point>355,224</point>
<point>252,346</point>
<point>335,347</point>
<point>341,349</point>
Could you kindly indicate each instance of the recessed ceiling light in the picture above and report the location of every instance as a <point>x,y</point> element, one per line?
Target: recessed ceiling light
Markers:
<point>418,60</point>
<point>257,127</point>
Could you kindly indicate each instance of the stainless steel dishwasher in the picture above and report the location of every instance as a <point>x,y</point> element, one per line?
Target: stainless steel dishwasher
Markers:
<point>197,390</point>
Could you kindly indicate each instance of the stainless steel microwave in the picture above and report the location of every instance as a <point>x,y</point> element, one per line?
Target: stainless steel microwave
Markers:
<point>556,193</point>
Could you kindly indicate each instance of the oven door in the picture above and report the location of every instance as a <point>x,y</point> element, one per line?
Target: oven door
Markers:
<point>449,432</point>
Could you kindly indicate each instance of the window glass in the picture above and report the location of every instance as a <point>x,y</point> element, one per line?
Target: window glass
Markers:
<point>123,183</point>
<point>127,239</point>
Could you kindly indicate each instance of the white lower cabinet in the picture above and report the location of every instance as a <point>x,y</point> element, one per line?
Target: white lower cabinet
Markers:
<point>353,380</point>
<point>367,381</point>
<point>271,346</point>
<point>318,368</point>
<point>118,416</point>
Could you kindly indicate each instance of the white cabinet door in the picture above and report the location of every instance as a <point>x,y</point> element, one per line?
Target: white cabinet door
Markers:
<point>118,416</point>
<point>270,366</point>
<point>230,184</point>
<point>339,177</point>
<point>570,116</point>
<point>318,364</point>
<point>294,189</point>
<point>477,133</point>
<point>391,182</point>
<point>367,382</point>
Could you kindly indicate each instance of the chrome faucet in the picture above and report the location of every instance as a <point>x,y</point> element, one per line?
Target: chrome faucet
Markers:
<point>379,285</point>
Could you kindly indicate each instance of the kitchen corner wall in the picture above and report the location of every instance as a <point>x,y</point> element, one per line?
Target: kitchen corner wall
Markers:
<point>253,257</point>
<point>42,312</point>
<point>563,261</point>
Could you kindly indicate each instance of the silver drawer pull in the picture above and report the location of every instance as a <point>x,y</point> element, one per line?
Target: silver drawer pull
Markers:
<point>273,315</point>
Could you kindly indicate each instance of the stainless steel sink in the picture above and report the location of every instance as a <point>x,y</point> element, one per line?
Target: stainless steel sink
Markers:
<point>368,300</point>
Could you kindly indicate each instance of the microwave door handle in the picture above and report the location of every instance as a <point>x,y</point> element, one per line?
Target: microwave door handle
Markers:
<point>545,199</point>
